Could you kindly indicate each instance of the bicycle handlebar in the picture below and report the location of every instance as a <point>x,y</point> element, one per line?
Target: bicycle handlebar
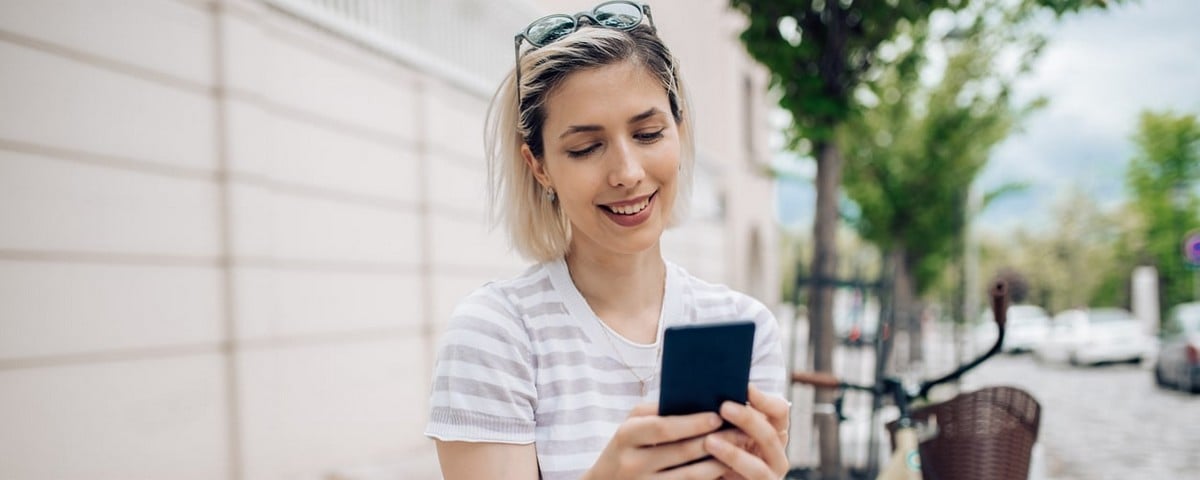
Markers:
<point>999,293</point>
<point>817,379</point>
<point>1000,315</point>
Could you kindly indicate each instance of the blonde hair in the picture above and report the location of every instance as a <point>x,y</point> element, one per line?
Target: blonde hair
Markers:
<point>537,227</point>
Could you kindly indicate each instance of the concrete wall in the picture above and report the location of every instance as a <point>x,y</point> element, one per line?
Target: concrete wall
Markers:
<point>230,234</point>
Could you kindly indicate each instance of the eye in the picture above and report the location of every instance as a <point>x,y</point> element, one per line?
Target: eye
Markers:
<point>584,152</point>
<point>649,137</point>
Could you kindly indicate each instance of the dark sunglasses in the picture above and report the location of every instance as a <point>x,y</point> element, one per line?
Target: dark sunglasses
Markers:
<point>618,15</point>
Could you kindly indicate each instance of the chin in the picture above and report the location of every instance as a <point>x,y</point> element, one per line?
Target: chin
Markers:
<point>639,242</point>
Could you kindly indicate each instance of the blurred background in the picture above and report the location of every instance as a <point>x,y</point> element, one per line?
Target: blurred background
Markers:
<point>232,230</point>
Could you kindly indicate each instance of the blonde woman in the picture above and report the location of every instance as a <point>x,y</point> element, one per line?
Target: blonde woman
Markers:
<point>554,374</point>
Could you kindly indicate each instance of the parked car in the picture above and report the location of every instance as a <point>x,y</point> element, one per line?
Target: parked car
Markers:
<point>1064,333</point>
<point>855,318</point>
<point>1178,362</point>
<point>1027,327</point>
<point>1106,335</point>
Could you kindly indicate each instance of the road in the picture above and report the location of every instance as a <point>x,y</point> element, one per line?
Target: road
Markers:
<point>1105,422</point>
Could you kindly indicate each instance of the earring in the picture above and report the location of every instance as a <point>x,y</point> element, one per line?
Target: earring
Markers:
<point>550,195</point>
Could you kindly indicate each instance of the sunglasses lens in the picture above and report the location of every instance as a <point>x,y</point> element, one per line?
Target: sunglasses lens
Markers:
<point>619,15</point>
<point>550,29</point>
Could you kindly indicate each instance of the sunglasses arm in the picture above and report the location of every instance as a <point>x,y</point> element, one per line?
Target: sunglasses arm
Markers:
<point>517,55</point>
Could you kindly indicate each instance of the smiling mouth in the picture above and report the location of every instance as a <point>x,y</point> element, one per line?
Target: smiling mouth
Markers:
<point>630,209</point>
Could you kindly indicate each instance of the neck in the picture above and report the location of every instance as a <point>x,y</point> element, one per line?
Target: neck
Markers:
<point>625,291</point>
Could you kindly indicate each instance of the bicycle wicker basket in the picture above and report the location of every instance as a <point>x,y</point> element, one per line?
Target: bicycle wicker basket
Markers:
<point>987,434</point>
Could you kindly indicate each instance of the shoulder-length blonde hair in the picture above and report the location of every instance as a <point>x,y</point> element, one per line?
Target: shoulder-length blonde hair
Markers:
<point>536,225</point>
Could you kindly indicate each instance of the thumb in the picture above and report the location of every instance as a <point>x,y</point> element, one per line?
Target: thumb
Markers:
<point>644,410</point>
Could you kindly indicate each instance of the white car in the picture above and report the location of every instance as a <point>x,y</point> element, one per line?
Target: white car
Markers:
<point>1027,327</point>
<point>1065,331</point>
<point>1108,335</point>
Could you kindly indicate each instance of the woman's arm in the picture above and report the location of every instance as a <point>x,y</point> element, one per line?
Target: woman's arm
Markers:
<point>644,445</point>
<point>500,461</point>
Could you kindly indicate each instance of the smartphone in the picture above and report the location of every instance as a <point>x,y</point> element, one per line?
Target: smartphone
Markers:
<point>704,365</point>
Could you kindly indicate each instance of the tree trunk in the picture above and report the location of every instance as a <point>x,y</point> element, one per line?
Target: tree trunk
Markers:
<point>820,302</point>
<point>908,319</point>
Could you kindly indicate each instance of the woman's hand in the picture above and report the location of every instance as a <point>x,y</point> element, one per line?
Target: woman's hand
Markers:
<point>757,449</point>
<point>647,445</point>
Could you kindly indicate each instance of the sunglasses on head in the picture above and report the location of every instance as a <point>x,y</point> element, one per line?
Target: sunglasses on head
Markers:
<point>617,15</point>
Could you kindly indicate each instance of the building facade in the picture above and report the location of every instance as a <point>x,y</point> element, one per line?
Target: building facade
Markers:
<point>232,230</point>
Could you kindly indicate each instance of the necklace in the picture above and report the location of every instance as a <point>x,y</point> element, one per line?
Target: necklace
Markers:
<point>642,381</point>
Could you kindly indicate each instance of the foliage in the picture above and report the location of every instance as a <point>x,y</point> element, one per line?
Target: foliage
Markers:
<point>1087,256</point>
<point>1071,263</point>
<point>1114,285</point>
<point>1162,180</point>
<point>912,157</point>
<point>1060,7</point>
<point>818,51</point>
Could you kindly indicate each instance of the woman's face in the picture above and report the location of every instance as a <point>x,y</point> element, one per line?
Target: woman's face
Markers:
<point>612,154</point>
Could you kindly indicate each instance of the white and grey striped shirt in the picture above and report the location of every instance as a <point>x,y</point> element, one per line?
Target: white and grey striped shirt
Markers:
<point>527,361</point>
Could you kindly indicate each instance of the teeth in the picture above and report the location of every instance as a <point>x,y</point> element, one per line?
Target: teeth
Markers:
<point>631,209</point>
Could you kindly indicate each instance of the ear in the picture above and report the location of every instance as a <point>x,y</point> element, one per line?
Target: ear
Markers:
<point>537,167</point>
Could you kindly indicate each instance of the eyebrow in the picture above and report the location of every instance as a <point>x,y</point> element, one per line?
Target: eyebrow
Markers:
<point>595,128</point>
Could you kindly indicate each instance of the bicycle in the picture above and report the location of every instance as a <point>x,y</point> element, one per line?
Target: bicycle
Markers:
<point>982,435</point>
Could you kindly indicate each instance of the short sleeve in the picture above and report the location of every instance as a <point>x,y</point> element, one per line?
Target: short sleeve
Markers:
<point>483,378</point>
<point>767,370</point>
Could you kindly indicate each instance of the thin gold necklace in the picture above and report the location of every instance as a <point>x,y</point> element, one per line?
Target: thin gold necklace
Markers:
<point>642,381</point>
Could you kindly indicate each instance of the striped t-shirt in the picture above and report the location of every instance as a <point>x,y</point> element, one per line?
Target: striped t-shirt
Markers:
<point>527,361</point>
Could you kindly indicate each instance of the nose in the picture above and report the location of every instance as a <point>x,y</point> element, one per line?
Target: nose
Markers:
<point>625,165</point>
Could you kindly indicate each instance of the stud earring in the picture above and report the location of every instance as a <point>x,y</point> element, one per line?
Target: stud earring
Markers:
<point>550,195</point>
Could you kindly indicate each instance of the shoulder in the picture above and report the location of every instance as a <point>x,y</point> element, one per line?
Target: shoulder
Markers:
<point>502,305</point>
<point>710,298</point>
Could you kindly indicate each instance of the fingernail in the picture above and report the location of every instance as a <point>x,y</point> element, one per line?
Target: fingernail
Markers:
<point>727,409</point>
<point>714,420</point>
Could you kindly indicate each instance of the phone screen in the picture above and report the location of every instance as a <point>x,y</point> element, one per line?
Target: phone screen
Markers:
<point>704,365</point>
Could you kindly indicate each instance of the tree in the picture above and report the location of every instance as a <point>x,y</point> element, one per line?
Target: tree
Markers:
<point>1066,265</point>
<point>1072,262</point>
<point>818,52</point>
<point>1114,285</point>
<point>1162,179</point>
<point>1068,262</point>
<point>913,155</point>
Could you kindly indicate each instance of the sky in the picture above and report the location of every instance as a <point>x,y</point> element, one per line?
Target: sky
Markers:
<point>1100,70</point>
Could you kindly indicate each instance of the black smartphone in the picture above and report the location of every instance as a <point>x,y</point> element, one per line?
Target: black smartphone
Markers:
<point>704,365</point>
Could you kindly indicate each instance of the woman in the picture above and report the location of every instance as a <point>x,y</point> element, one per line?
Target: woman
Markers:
<point>554,373</point>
